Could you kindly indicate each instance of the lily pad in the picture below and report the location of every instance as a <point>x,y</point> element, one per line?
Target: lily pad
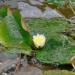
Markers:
<point>58,72</point>
<point>11,35</point>
<point>26,36</point>
<point>57,48</point>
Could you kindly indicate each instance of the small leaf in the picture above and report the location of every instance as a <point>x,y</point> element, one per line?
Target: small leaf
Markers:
<point>3,11</point>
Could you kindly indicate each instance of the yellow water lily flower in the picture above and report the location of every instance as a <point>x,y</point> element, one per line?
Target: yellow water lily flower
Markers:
<point>39,40</point>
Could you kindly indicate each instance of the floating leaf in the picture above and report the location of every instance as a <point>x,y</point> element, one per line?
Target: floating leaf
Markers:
<point>58,72</point>
<point>17,17</point>
<point>57,48</point>
<point>11,35</point>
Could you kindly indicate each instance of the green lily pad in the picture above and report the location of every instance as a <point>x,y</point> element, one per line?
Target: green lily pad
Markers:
<point>26,36</point>
<point>58,72</point>
<point>11,35</point>
<point>57,48</point>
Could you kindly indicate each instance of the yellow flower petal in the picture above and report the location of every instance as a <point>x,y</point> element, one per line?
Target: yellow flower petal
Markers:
<point>39,40</point>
